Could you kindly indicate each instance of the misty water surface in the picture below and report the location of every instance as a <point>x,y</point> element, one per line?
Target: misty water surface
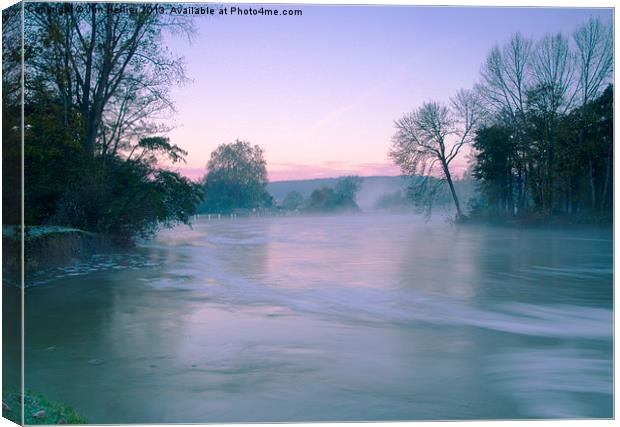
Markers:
<point>367,317</point>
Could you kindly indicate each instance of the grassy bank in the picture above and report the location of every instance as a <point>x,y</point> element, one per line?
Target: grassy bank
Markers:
<point>37,410</point>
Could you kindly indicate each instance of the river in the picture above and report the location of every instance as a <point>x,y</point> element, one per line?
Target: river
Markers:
<point>329,318</point>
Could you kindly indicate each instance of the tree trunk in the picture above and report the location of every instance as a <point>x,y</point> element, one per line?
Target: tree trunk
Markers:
<point>592,186</point>
<point>608,177</point>
<point>459,213</point>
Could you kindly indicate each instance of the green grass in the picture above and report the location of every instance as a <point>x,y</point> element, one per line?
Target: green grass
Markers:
<point>54,412</point>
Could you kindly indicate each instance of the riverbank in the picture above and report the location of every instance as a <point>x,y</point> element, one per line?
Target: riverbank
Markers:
<point>37,410</point>
<point>538,221</point>
<point>46,247</point>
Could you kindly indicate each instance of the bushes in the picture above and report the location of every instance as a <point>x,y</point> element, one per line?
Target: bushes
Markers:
<point>126,198</point>
<point>37,410</point>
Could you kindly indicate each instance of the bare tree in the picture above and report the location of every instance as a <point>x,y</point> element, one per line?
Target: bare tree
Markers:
<point>553,73</point>
<point>505,81</point>
<point>594,46</point>
<point>505,77</point>
<point>594,51</point>
<point>428,140</point>
<point>551,95</point>
<point>95,59</point>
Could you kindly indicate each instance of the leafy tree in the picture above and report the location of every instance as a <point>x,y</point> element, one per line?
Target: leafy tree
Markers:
<point>347,188</point>
<point>340,198</point>
<point>236,178</point>
<point>322,200</point>
<point>541,93</point>
<point>396,200</point>
<point>11,114</point>
<point>581,158</point>
<point>93,83</point>
<point>292,201</point>
<point>495,148</point>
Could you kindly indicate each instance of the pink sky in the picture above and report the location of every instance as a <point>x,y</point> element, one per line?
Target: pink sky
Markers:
<point>292,171</point>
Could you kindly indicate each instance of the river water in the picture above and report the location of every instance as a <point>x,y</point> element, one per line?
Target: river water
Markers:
<point>366,317</point>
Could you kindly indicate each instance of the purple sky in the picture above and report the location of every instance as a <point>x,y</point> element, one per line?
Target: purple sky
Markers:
<point>320,92</point>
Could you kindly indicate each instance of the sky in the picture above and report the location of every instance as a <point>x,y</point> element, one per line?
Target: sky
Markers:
<point>320,92</point>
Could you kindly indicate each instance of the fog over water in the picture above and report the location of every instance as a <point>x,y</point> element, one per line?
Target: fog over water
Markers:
<point>361,317</point>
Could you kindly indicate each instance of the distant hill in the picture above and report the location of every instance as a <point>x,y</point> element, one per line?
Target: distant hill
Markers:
<point>373,187</point>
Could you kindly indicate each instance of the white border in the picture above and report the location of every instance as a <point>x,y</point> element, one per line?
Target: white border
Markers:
<point>484,3</point>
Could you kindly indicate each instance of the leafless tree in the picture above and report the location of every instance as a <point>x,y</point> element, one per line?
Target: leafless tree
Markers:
<point>553,73</point>
<point>428,139</point>
<point>551,95</point>
<point>100,62</point>
<point>505,77</point>
<point>594,52</point>
<point>505,82</point>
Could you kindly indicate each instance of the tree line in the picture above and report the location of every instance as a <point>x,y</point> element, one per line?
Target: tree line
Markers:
<point>236,180</point>
<point>539,124</point>
<point>95,86</point>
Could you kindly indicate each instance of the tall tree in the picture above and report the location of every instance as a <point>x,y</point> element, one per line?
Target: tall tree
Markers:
<point>594,52</point>
<point>104,64</point>
<point>11,114</point>
<point>505,81</point>
<point>552,94</point>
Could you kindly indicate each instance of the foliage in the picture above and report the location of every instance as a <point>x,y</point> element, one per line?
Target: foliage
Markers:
<point>123,198</point>
<point>397,200</point>
<point>340,198</point>
<point>93,84</point>
<point>236,178</point>
<point>53,412</point>
<point>292,201</point>
<point>582,160</point>
<point>111,67</point>
<point>547,148</point>
<point>11,115</point>
<point>347,188</point>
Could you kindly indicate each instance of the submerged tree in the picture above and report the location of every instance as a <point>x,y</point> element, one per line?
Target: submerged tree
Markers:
<point>428,140</point>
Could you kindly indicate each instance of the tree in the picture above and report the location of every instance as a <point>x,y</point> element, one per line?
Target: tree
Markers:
<point>550,96</point>
<point>594,42</point>
<point>11,114</point>
<point>546,110</point>
<point>292,201</point>
<point>339,198</point>
<point>494,161</point>
<point>430,138</point>
<point>505,80</point>
<point>322,200</point>
<point>347,188</point>
<point>236,178</point>
<point>111,67</point>
<point>94,83</point>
